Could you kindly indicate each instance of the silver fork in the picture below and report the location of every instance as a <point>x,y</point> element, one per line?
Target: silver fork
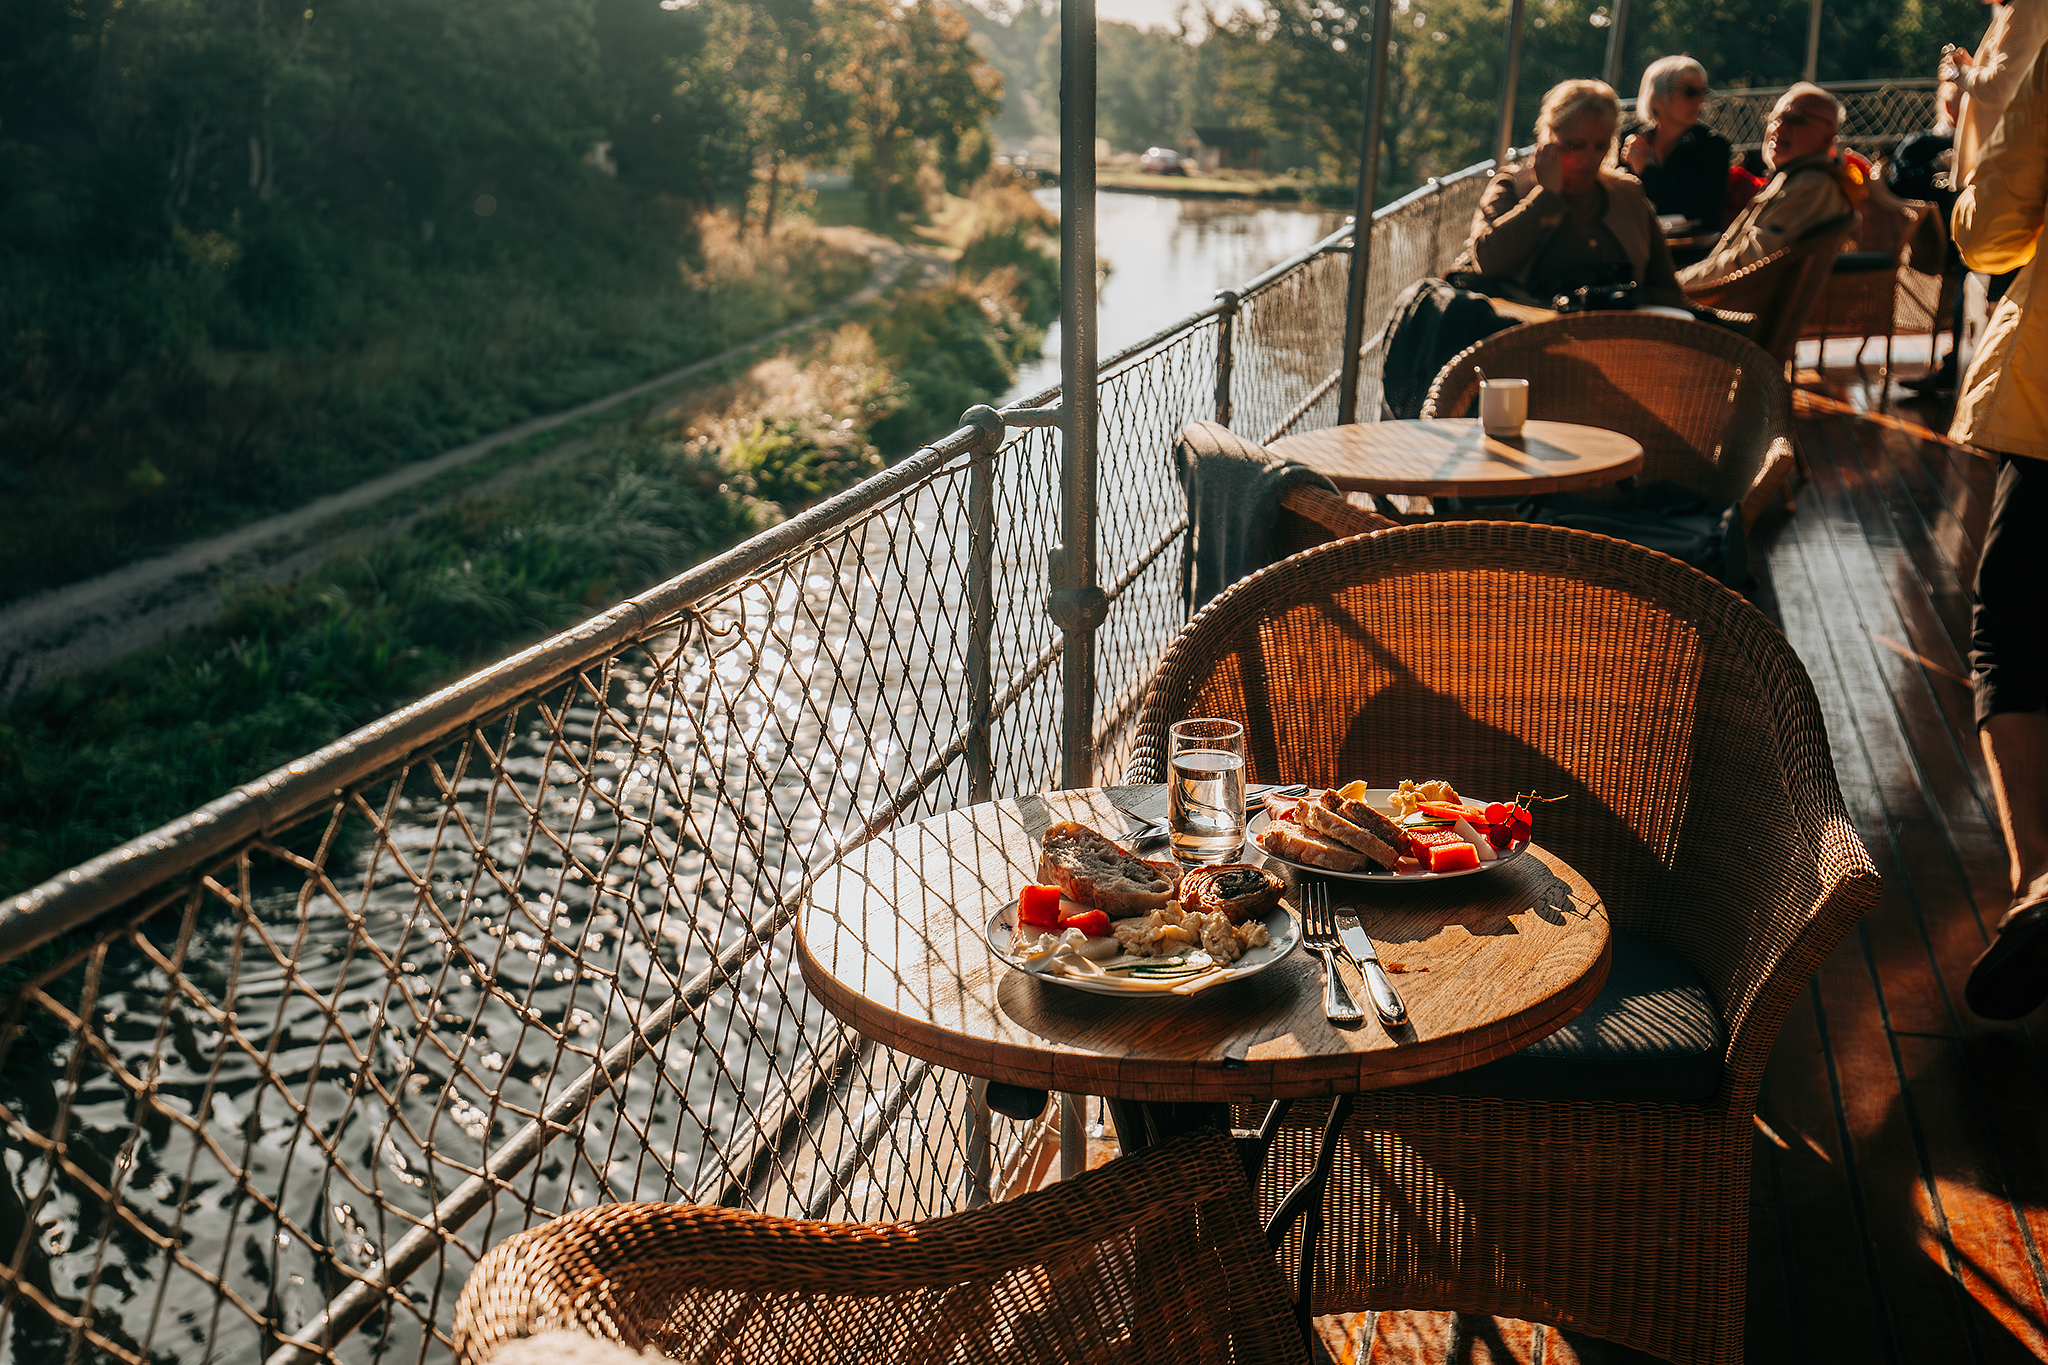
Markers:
<point>1319,934</point>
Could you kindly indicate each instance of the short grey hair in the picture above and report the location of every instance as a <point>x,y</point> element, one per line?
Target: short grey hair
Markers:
<point>1808,88</point>
<point>1660,83</point>
<point>1570,101</point>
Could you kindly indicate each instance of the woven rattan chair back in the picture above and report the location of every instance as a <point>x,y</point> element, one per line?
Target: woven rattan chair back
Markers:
<point>1772,298</point>
<point>1711,410</point>
<point>1703,807</point>
<point>1155,1257</point>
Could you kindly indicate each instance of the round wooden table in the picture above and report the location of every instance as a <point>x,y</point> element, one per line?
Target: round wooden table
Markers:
<point>1451,457</point>
<point>894,942</point>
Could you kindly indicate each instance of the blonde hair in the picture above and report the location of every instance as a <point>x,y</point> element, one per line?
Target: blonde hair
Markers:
<point>1569,101</point>
<point>1660,82</point>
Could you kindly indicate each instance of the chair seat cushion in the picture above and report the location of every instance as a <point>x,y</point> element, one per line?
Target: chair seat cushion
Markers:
<point>1865,262</point>
<point>1652,1034</point>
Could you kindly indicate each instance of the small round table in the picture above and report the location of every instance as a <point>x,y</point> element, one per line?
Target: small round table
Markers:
<point>894,941</point>
<point>1450,457</point>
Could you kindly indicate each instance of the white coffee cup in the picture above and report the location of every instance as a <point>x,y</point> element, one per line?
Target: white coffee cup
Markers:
<point>1503,406</point>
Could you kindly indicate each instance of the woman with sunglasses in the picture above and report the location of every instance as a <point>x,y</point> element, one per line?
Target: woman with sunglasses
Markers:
<point>1682,162</point>
<point>1566,220</point>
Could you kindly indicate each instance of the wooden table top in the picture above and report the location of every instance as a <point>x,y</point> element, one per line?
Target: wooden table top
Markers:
<point>1451,457</point>
<point>893,941</point>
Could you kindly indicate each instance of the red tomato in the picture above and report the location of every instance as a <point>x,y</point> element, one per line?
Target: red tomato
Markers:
<point>1039,907</point>
<point>1093,923</point>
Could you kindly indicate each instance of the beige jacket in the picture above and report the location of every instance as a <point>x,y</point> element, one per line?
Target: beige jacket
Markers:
<point>1803,194</point>
<point>1508,231</point>
<point>2018,30</point>
<point>2003,404</point>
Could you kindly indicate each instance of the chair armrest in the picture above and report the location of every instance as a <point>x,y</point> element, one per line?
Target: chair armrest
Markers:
<point>1769,480</point>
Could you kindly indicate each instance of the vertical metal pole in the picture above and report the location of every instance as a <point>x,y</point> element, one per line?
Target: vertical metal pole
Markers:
<point>1368,196</point>
<point>1617,42</point>
<point>1813,8</point>
<point>980,1146</point>
<point>981,603</point>
<point>1511,75</point>
<point>1226,337</point>
<point>1073,1135</point>
<point>1077,604</point>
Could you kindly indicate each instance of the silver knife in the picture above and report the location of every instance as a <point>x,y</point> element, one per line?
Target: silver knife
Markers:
<point>1367,959</point>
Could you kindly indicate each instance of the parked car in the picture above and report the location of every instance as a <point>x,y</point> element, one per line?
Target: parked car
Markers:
<point>1161,161</point>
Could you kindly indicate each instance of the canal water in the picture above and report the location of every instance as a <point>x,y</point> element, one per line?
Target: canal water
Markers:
<point>1167,257</point>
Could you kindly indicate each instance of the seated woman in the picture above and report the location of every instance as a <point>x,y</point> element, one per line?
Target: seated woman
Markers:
<point>1682,163</point>
<point>1565,221</point>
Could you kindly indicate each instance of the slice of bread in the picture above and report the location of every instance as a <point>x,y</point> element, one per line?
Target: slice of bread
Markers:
<point>1302,846</point>
<point>1095,870</point>
<point>1322,817</point>
<point>1370,820</point>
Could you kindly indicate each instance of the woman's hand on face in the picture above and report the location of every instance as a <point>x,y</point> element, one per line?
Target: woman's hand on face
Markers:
<point>1636,152</point>
<point>1550,167</point>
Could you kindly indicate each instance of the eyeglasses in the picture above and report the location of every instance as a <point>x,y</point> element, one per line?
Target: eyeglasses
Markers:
<point>1577,147</point>
<point>1799,120</point>
<point>1693,92</point>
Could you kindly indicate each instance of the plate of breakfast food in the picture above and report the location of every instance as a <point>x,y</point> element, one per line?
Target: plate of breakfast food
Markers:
<point>1413,832</point>
<point>1102,919</point>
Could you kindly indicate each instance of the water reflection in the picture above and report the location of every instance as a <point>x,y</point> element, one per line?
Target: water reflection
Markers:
<point>1168,257</point>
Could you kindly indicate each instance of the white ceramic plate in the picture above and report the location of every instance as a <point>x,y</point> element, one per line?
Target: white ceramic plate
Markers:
<point>1378,798</point>
<point>1280,926</point>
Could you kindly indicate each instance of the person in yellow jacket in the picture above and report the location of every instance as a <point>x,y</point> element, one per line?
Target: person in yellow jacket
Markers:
<point>2003,412</point>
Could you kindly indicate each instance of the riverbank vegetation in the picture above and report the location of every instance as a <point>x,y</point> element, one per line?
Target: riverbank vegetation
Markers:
<point>92,760</point>
<point>252,252</point>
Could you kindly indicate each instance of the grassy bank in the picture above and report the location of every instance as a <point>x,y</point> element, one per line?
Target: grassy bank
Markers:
<point>93,760</point>
<point>154,401</point>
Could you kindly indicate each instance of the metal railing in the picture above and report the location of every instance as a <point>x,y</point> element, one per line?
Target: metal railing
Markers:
<point>273,1076</point>
<point>1880,113</point>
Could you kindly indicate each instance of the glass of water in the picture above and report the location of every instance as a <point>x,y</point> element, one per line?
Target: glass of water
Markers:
<point>1205,790</point>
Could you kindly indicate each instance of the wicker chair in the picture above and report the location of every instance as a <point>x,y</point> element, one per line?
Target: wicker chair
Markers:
<point>1704,809</point>
<point>1771,298</point>
<point>1313,516</point>
<point>1710,410</point>
<point>1155,1257</point>
<point>1861,297</point>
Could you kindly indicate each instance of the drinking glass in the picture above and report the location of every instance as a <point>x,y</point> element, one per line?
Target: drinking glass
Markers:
<point>1205,790</point>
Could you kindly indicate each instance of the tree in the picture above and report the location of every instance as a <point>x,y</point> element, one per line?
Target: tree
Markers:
<point>777,58</point>
<point>918,90</point>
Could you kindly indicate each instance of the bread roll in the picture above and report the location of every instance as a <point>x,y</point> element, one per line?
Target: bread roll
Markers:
<point>1237,891</point>
<point>1095,870</point>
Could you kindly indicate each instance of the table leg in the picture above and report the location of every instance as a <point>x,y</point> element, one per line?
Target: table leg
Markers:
<point>1306,1198</point>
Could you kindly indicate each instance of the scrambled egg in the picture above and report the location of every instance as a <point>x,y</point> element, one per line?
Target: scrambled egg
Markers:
<point>1169,930</point>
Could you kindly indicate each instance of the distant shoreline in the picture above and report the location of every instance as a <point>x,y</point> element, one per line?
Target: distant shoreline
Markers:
<point>1271,192</point>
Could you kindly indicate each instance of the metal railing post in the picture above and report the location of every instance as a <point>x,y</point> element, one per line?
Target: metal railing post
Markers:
<point>1361,232</point>
<point>1511,75</point>
<point>1077,604</point>
<point>1226,333</point>
<point>1227,301</point>
<point>1813,12</point>
<point>981,600</point>
<point>1617,41</point>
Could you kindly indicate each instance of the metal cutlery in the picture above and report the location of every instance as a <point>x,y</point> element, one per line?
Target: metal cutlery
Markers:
<point>1358,946</point>
<point>1319,934</point>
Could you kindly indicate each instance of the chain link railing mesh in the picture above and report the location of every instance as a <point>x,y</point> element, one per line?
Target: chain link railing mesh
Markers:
<point>544,959</point>
<point>1878,117</point>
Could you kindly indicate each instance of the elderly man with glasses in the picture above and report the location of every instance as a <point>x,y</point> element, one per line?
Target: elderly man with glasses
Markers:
<point>1811,186</point>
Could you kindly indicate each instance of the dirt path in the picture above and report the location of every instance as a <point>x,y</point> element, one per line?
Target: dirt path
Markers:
<point>84,625</point>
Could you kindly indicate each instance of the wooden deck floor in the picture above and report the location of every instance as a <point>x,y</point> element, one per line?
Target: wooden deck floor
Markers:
<point>1900,1200</point>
